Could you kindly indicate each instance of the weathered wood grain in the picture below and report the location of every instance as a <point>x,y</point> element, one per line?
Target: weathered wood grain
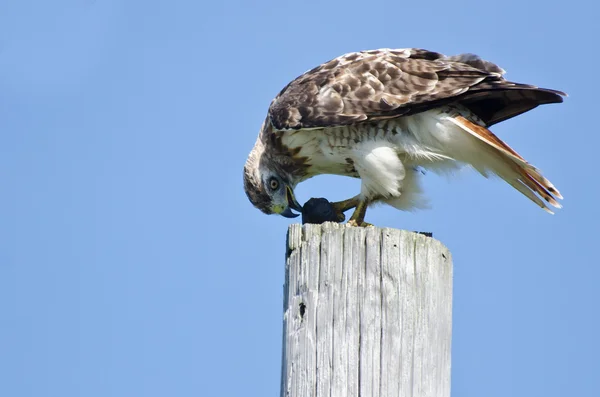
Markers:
<point>367,312</point>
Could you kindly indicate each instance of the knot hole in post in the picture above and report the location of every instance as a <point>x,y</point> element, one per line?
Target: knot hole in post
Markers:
<point>302,310</point>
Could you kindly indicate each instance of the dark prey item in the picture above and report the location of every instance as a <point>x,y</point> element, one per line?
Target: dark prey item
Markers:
<point>319,210</point>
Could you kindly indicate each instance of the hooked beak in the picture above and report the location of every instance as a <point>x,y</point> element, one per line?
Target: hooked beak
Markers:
<point>292,204</point>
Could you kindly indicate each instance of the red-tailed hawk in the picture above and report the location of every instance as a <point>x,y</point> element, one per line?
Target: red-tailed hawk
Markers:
<point>382,115</point>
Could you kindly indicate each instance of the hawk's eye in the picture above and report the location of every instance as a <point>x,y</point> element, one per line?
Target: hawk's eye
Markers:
<point>273,183</point>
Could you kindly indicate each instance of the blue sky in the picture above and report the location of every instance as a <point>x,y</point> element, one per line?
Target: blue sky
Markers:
<point>131,262</point>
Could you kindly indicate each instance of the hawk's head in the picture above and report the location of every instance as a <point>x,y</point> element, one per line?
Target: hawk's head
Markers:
<point>268,187</point>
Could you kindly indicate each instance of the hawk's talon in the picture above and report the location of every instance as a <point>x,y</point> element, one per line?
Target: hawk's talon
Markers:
<point>354,223</point>
<point>339,207</point>
<point>339,216</point>
<point>358,217</point>
<point>338,212</point>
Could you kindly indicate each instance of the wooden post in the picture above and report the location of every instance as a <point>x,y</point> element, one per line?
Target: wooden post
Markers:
<point>367,312</point>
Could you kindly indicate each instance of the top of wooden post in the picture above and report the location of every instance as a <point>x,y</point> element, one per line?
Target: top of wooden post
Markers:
<point>297,233</point>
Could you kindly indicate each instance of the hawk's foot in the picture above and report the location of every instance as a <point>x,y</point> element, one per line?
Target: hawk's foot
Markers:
<point>358,217</point>
<point>353,223</point>
<point>340,207</point>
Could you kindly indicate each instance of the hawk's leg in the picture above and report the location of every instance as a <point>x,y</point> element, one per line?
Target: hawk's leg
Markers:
<point>358,217</point>
<point>342,206</point>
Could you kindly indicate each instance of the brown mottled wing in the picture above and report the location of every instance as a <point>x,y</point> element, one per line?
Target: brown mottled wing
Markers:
<point>380,84</point>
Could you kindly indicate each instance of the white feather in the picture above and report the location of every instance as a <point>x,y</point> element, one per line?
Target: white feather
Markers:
<point>379,167</point>
<point>411,196</point>
<point>386,155</point>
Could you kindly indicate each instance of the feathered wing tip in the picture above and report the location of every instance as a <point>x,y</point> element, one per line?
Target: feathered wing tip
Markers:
<point>513,168</point>
<point>501,100</point>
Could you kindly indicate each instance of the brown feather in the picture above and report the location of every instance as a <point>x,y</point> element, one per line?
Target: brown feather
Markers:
<point>383,84</point>
<point>528,174</point>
